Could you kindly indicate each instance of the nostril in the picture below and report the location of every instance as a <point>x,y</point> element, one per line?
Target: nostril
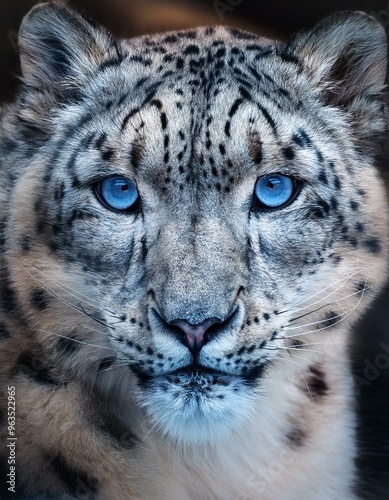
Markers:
<point>193,335</point>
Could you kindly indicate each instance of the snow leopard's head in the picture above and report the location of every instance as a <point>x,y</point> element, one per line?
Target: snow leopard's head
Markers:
<point>200,205</point>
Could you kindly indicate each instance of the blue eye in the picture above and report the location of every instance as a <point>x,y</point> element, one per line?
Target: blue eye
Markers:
<point>275,190</point>
<point>117,193</point>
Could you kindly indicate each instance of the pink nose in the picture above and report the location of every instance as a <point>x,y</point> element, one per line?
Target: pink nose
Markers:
<point>194,334</point>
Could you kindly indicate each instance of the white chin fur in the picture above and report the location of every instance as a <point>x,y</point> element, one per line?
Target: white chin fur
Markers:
<point>197,409</point>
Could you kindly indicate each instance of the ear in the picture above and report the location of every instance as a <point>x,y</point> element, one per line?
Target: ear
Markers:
<point>59,49</point>
<point>345,56</point>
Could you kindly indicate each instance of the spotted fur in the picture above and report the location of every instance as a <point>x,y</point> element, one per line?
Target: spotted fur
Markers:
<point>111,400</point>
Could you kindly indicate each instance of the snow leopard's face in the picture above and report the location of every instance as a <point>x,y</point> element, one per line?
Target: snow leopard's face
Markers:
<point>209,207</point>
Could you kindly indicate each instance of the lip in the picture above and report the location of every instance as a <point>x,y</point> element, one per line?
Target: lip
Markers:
<point>187,372</point>
<point>194,370</point>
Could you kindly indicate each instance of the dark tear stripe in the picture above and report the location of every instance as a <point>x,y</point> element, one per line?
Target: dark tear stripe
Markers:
<point>75,480</point>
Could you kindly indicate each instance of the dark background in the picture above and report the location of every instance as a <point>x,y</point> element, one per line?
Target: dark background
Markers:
<point>274,18</point>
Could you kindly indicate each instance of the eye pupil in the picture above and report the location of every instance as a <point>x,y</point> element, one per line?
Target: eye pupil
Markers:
<point>274,191</point>
<point>271,184</point>
<point>117,193</point>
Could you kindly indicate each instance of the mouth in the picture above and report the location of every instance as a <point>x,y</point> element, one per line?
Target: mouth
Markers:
<point>193,375</point>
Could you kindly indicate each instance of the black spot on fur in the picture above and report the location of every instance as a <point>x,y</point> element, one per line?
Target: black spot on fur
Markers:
<point>361,287</point>
<point>290,58</point>
<point>76,481</point>
<point>296,344</point>
<point>373,245</point>
<point>4,333</point>
<point>25,244</point>
<point>296,437</point>
<point>127,117</point>
<point>8,302</point>
<point>256,149</point>
<point>268,118</point>
<point>315,385</point>
<point>354,205</point>
<point>107,155</point>
<point>330,319</point>
<point>302,139</point>
<point>67,345</point>
<point>110,63</point>
<point>289,153</point>
<point>323,177</point>
<point>163,120</point>
<point>39,299</point>
<point>252,376</point>
<point>117,431</point>
<point>106,363</point>
<point>191,50</point>
<point>100,140</point>
<point>35,369</point>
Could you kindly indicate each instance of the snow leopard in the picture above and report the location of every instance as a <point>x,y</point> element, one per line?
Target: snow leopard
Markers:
<point>191,225</point>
